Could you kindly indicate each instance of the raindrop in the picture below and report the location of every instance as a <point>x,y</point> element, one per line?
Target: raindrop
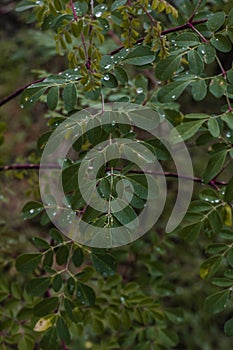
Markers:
<point>102,7</point>
<point>107,66</point>
<point>31,211</point>
<point>76,69</point>
<point>106,77</point>
<point>173,97</point>
<point>203,52</point>
<point>22,106</point>
<point>98,14</point>
<point>139,90</point>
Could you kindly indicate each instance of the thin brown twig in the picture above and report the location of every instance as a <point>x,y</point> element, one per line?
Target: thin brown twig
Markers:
<point>149,172</point>
<point>197,31</point>
<point>19,91</point>
<point>73,10</point>
<point>165,32</point>
<point>195,11</point>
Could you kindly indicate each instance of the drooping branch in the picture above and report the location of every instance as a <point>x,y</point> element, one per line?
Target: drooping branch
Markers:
<point>155,173</point>
<point>165,32</point>
<point>140,40</point>
<point>19,91</point>
<point>28,166</point>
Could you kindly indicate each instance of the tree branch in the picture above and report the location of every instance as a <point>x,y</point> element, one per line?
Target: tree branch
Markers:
<point>164,32</point>
<point>19,91</point>
<point>28,167</point>
<point>156,173</point>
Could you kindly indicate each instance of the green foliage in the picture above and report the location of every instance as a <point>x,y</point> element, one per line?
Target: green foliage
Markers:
<point>151,54</point>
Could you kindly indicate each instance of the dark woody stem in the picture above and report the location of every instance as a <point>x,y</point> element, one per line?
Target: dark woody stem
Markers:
<point>156,173</point>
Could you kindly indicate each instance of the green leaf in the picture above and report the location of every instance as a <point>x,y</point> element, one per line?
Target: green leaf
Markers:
<point>230,18</point>
<point>167,338</point>
<point>85,294</point>
<point>52,97</point>
<point>104,263</point>
<point>187,130</point>
<point>49,340</point>
<point>109,80</point>
<point>167,67</point>
<point>216,21</point>
<point>25,5</point>
<point>199,90</point>
<point>26,342</point>
<point>217,302</point>
<point>28,262</point>
<point>191,232</point>
<point>208,52</point>
<point>62,255</point>
<point>197,116</point>
<point>196,64</point>
<point>77,257</point>
<point>32,209</point>
<point>217,86</point>
<point>127,216</point>
<point>222,282</point>
<point>31,95</point>
<point>221,43</point>
<point>214,165</point>
<point>55,235</point>
<point>48,259</point>
<point>38,286</point>
<point>228,327</point>
<point>121,75</point>
<point>69,96</point>
<point>230,76</point>
<point>172,91</point>
<point>40,243</point>
<point>213,127</point>
<point>70,177</point>
<point>230,257</point>
<point>209,195</point>
<point>228,196</point>
<point>228,119</point>
<point>140,56</point>
<point>215,221</point>
<point>187,40</point>
<point>57,282</point>
<point>81,8</point>
<point>113,321</point>
<point>216,248</point>
<point>210,266</point>
<point>116,4</point>
<point>62,330</point>
<point>100,9</point>
<point>45,306</point>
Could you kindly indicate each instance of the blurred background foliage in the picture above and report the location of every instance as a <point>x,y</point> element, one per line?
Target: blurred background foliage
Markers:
<point>162,266</point>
